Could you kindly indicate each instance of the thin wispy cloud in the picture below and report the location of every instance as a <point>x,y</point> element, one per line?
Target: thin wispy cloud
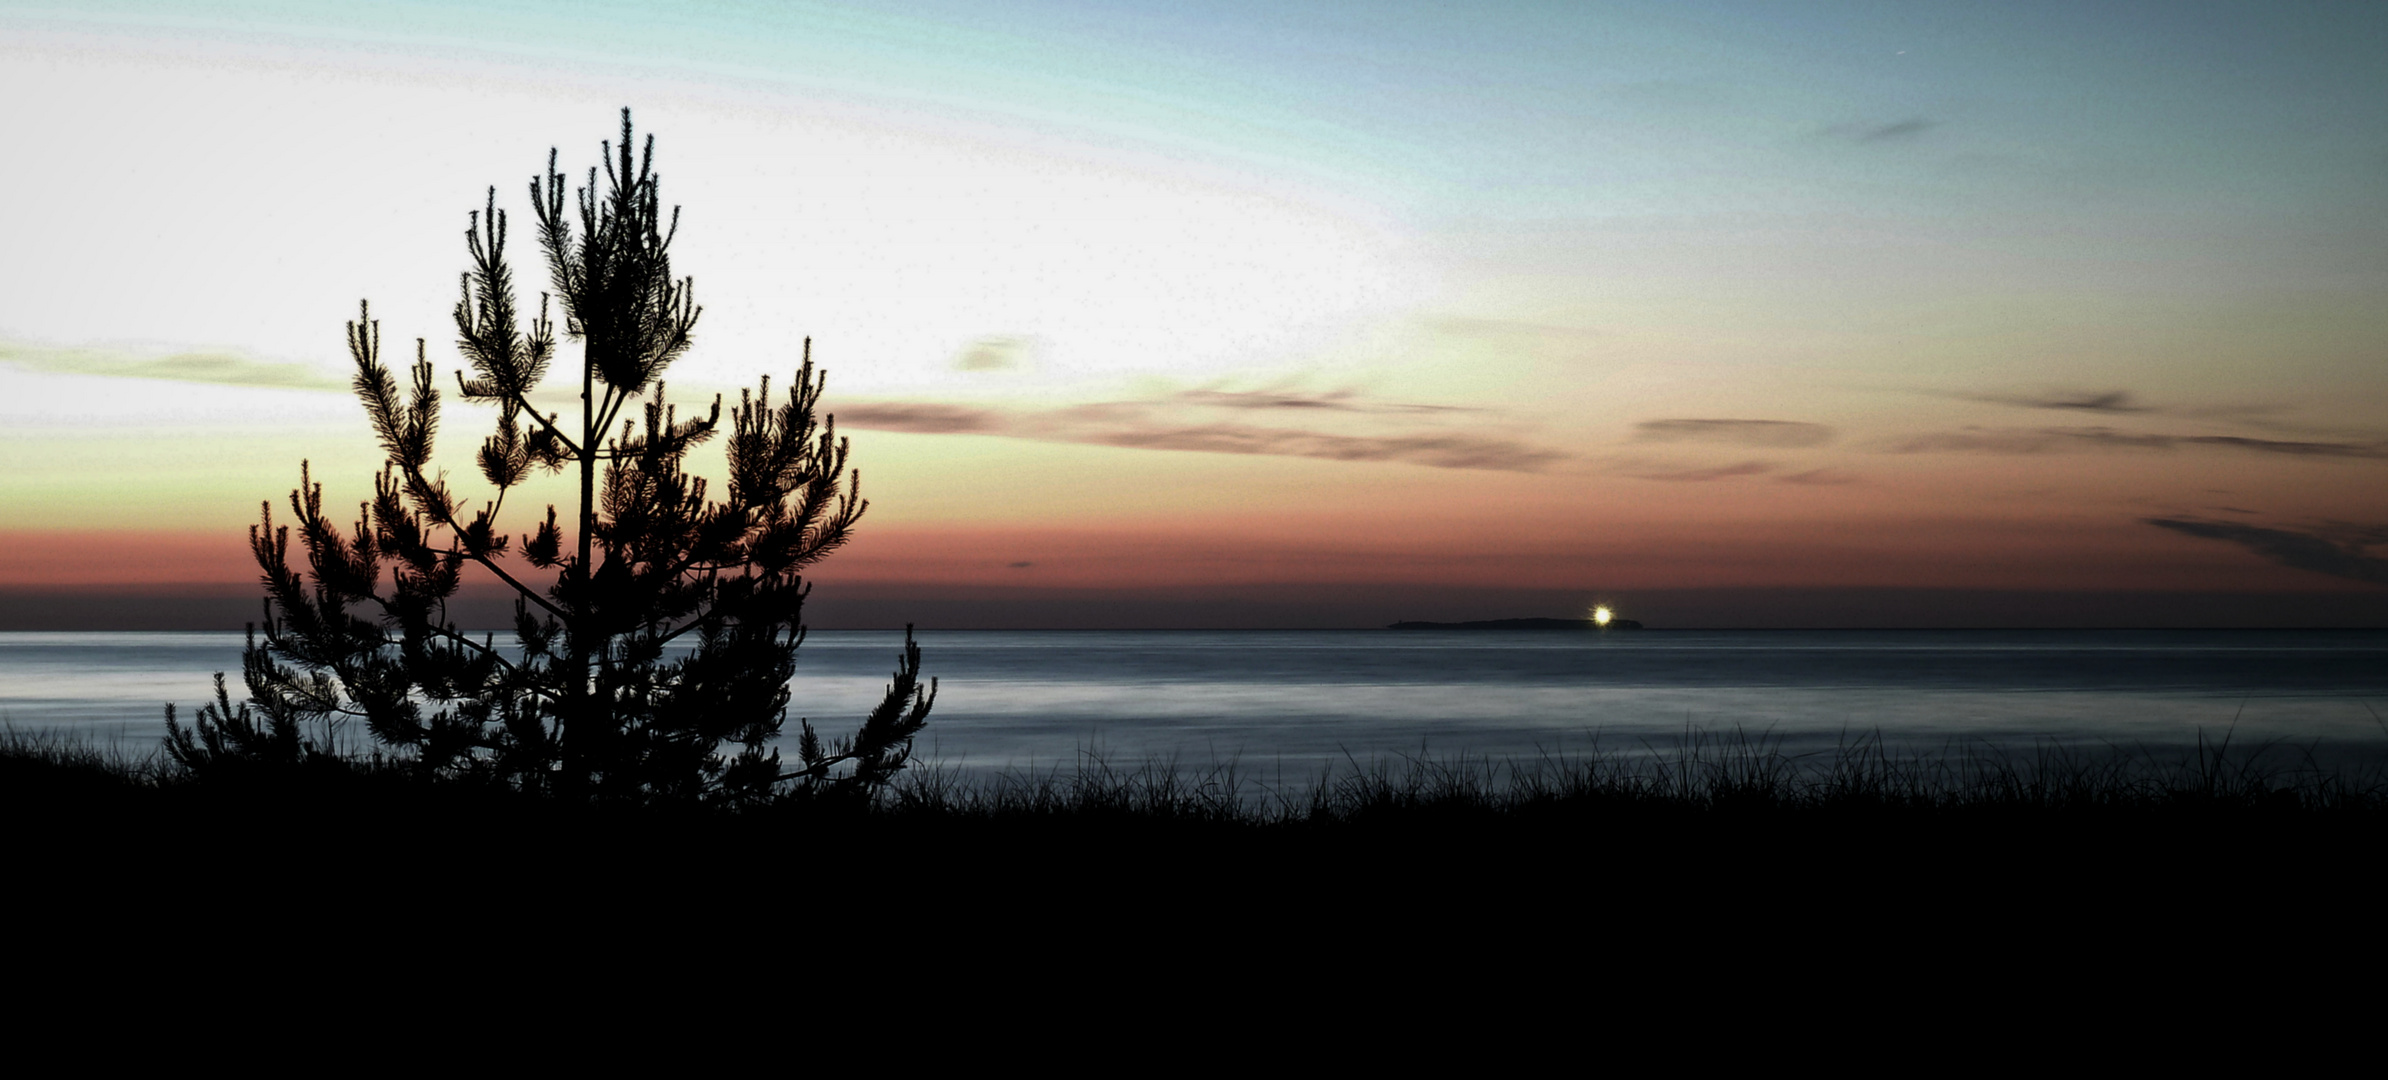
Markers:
<point>994,354</point>
<point>2263,416</point>
<point>225,369</point>
<point>919,418</point>
<point>1440,451</point>
<point>1178,423</point>
<point>1973,440</point>
<point>2099,401</point>
<point>1334,400</point>
<point>2111,439</point>
<point>1705,475</point>
<point>1770,433</point>
<point>1894,131</point>
<point>2298,550</point>
<point>2292,447</point>
<point>2061,440</point>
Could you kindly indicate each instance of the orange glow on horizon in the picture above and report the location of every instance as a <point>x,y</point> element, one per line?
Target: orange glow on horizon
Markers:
<point>1889,554</point>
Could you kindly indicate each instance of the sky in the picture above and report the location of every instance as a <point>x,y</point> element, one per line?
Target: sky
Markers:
<point>1280,314</point>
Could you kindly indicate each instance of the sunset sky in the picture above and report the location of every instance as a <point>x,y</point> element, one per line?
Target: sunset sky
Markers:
<point>1284,313</point>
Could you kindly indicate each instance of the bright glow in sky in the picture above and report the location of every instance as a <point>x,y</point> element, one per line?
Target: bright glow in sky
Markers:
<point>1587,298</point>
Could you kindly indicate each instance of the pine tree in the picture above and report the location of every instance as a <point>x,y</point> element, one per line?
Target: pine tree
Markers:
<point>655,664</point>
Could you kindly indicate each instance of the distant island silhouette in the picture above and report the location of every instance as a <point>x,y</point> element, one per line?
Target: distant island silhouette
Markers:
<point>1519,624</point>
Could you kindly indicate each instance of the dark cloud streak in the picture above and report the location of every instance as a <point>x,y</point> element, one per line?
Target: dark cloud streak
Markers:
<point>2296,550</point>
<point>924,419</point>
<point>1897,129</point>
<point>1906,130</point>
<point>1150,426</point>
<point>2058,440</point>
<point>1701,476</point>
<point>2101,401</point>
<point>2298,449</point>
<point>1440,451</point>
<point>1335,401</point>
<point>1772,433</point>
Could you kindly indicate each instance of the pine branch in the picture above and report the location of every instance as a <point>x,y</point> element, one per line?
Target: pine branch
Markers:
<point>446,516</point>
<point>513,401</point>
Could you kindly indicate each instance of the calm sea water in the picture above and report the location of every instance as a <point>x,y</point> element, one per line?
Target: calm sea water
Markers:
<point>1296,699</point>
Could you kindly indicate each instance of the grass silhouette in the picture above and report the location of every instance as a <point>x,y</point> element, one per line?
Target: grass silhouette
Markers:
<point>1444,869</point>
<point>1721,775</point>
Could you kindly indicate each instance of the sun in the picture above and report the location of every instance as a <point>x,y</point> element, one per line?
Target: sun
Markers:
<point>1601,615</point>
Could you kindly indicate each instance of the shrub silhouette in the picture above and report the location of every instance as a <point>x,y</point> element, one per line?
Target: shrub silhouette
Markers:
<point>670,629</point>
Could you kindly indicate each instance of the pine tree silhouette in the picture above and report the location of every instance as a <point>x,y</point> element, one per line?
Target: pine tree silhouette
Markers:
<point>655,664</point>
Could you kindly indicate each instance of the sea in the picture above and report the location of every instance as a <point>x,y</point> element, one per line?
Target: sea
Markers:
<point>1289,703</point>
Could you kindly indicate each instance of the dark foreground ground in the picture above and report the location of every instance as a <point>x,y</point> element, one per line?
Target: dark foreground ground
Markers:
<point>1428,857</point>
<point>1718,910</point>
